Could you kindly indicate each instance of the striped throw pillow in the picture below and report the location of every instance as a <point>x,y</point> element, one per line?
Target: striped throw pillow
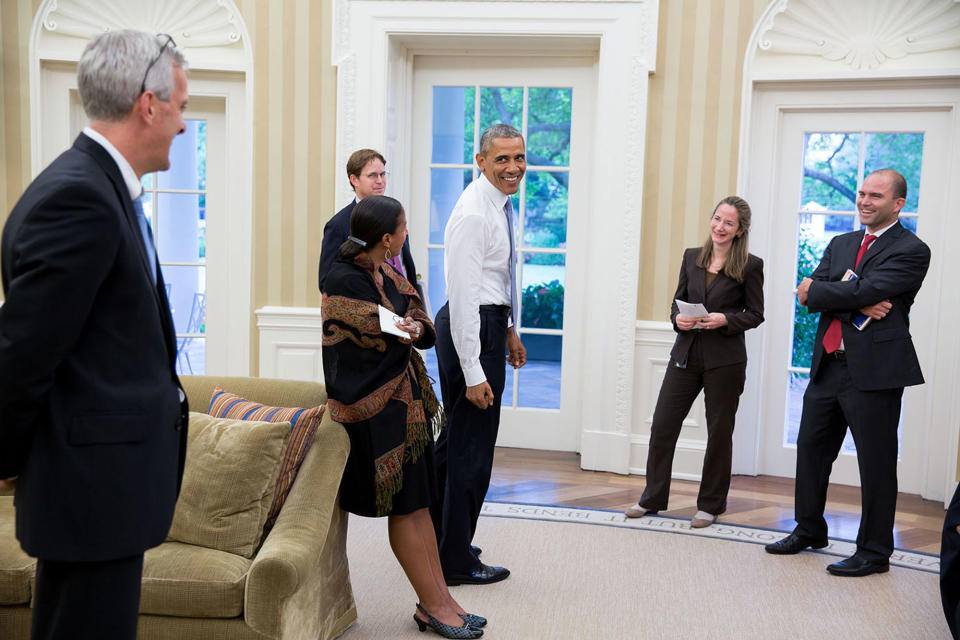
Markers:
<point>303,424</point>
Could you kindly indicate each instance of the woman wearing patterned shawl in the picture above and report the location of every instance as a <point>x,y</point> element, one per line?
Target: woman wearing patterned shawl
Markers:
<point>378,388</point>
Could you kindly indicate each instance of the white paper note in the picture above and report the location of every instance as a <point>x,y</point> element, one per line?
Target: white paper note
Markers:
<point>388,323</point>
<point>691,310</point>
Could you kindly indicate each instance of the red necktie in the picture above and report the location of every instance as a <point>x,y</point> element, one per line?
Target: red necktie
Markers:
<point>833,337</point>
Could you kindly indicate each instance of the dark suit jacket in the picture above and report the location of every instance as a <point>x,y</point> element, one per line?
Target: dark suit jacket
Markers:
<point>882,355</point>
<point>335,233</point>
<point>950,565</point>
<point>740,302</point>
<point>91,416</point>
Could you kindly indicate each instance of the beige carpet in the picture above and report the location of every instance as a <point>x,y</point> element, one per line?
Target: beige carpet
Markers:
<point>586,580</point>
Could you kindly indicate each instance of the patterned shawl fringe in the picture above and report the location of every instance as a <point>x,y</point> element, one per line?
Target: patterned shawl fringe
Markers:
<point>431,406</point>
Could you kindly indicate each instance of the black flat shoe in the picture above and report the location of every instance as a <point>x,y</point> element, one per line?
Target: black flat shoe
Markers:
<point>474,620</point>
<point>445,630</point>
<point>856,566</point>
<point>794,543</point>
<point>484,575</point>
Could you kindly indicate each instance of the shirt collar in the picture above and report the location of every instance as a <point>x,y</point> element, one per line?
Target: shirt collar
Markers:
<point>497,197</point>
<point>881,231</point>
<point>129,175</point>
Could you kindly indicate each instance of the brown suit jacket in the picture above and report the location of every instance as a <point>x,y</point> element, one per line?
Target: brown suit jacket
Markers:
<point>741,302</point>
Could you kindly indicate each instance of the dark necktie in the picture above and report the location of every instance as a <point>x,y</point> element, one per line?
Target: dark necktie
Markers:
<point>508,210</point>
<point>147,236</point>
<point>834,336</point>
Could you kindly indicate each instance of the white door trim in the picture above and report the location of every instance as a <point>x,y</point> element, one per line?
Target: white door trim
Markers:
<point>221,66</point>
<point>373,50</point>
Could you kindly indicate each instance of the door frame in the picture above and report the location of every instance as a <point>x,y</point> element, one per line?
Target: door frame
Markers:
<point>941,362</point>
<point>221,67</point>
<point>373,49</point>
<point>528,427</point>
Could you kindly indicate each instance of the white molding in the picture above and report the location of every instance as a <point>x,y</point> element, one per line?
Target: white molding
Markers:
<point>373,47</point>
<point>291,341</point>
<point>861,36</point>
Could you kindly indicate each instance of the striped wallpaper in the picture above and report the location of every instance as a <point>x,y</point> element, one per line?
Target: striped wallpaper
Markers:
<point>691,155</point>
<point>693,125</point>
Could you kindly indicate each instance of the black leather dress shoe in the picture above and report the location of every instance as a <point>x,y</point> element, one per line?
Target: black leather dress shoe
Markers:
<point>484,575</point>
<point>794,543</point>
<point>476,550</point>
<point>856,566</point>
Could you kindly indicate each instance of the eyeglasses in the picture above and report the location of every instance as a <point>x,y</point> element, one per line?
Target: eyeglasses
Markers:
<point>169,42</point>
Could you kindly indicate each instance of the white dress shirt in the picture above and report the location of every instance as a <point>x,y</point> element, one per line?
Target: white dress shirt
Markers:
<point>476,267</point>
<point>129,175</point>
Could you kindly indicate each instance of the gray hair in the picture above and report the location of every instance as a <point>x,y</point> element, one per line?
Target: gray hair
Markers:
<point>112,67</point>
<point>496,131</point>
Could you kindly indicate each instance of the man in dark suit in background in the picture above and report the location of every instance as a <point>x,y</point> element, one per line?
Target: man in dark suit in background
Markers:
<point>92,416</point>
<point>857,377</point>
<point>368,177</point>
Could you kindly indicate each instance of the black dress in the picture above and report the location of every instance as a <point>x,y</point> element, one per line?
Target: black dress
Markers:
<point>378,390</point>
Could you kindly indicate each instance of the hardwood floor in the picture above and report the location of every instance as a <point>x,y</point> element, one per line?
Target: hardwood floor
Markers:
<point>552,477</point>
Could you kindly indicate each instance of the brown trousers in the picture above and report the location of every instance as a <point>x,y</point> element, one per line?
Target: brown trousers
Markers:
<point>722,387</point>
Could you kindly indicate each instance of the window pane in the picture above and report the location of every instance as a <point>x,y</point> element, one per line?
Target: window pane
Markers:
<point>542,282</point>
<point>910,222</point>
<point>192,356</point>
<point>452,124</point>
<point>548,127</point>
<point>501,104</point>
<point>539,379</point>
<point>507,398</point>
<point>433,370</point>
<point>446,185</point>
<point>900,151</point>
<point>437,286</point>
<point>545,218</point>
<point>180,228</point>
<point>188,159</point>
<point>814,233</point>
<point>795,388</point>
<point>186,287</point>
<point>147,181</point>
<point>830,162</point>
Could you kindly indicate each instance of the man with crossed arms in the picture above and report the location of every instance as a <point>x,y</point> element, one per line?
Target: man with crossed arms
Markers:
<point>474,328</point>
<point>857,377</point>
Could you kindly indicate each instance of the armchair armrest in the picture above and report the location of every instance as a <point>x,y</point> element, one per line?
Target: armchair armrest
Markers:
<point>290,574</point>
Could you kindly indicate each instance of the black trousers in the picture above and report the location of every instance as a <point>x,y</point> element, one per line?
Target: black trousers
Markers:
<point>722,387</point>
<point>87,600</point>
<point>464,450</point>
<point>830,404</point>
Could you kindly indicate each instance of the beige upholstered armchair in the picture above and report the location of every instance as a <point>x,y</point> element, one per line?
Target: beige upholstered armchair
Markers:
<point>296,585</point>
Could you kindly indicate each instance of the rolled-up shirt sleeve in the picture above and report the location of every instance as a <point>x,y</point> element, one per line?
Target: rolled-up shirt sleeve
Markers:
<point>465,246</point>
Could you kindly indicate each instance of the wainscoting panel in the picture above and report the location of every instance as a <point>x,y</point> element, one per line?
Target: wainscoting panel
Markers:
<point>651,355</point>
<point>290,342</point>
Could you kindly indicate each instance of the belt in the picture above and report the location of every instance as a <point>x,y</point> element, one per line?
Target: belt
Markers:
<point>500,309</point>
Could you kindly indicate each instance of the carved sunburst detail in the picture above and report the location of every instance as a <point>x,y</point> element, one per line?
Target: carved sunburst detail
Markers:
<point>192,23</point>
<point>843,31</point>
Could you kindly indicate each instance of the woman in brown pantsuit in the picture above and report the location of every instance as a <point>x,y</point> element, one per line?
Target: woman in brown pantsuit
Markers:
<point>709,354</point>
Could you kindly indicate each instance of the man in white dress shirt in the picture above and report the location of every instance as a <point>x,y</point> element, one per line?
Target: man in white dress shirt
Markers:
<point>475,329</point>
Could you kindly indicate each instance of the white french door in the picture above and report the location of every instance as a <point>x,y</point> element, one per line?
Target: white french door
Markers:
<point>550,100</point>
<point>822,157</point>
<point>187,212</point>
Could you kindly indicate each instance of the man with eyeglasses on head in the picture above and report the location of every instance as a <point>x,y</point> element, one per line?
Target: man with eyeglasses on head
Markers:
<point>92,415</point>
<point>368,177</point>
